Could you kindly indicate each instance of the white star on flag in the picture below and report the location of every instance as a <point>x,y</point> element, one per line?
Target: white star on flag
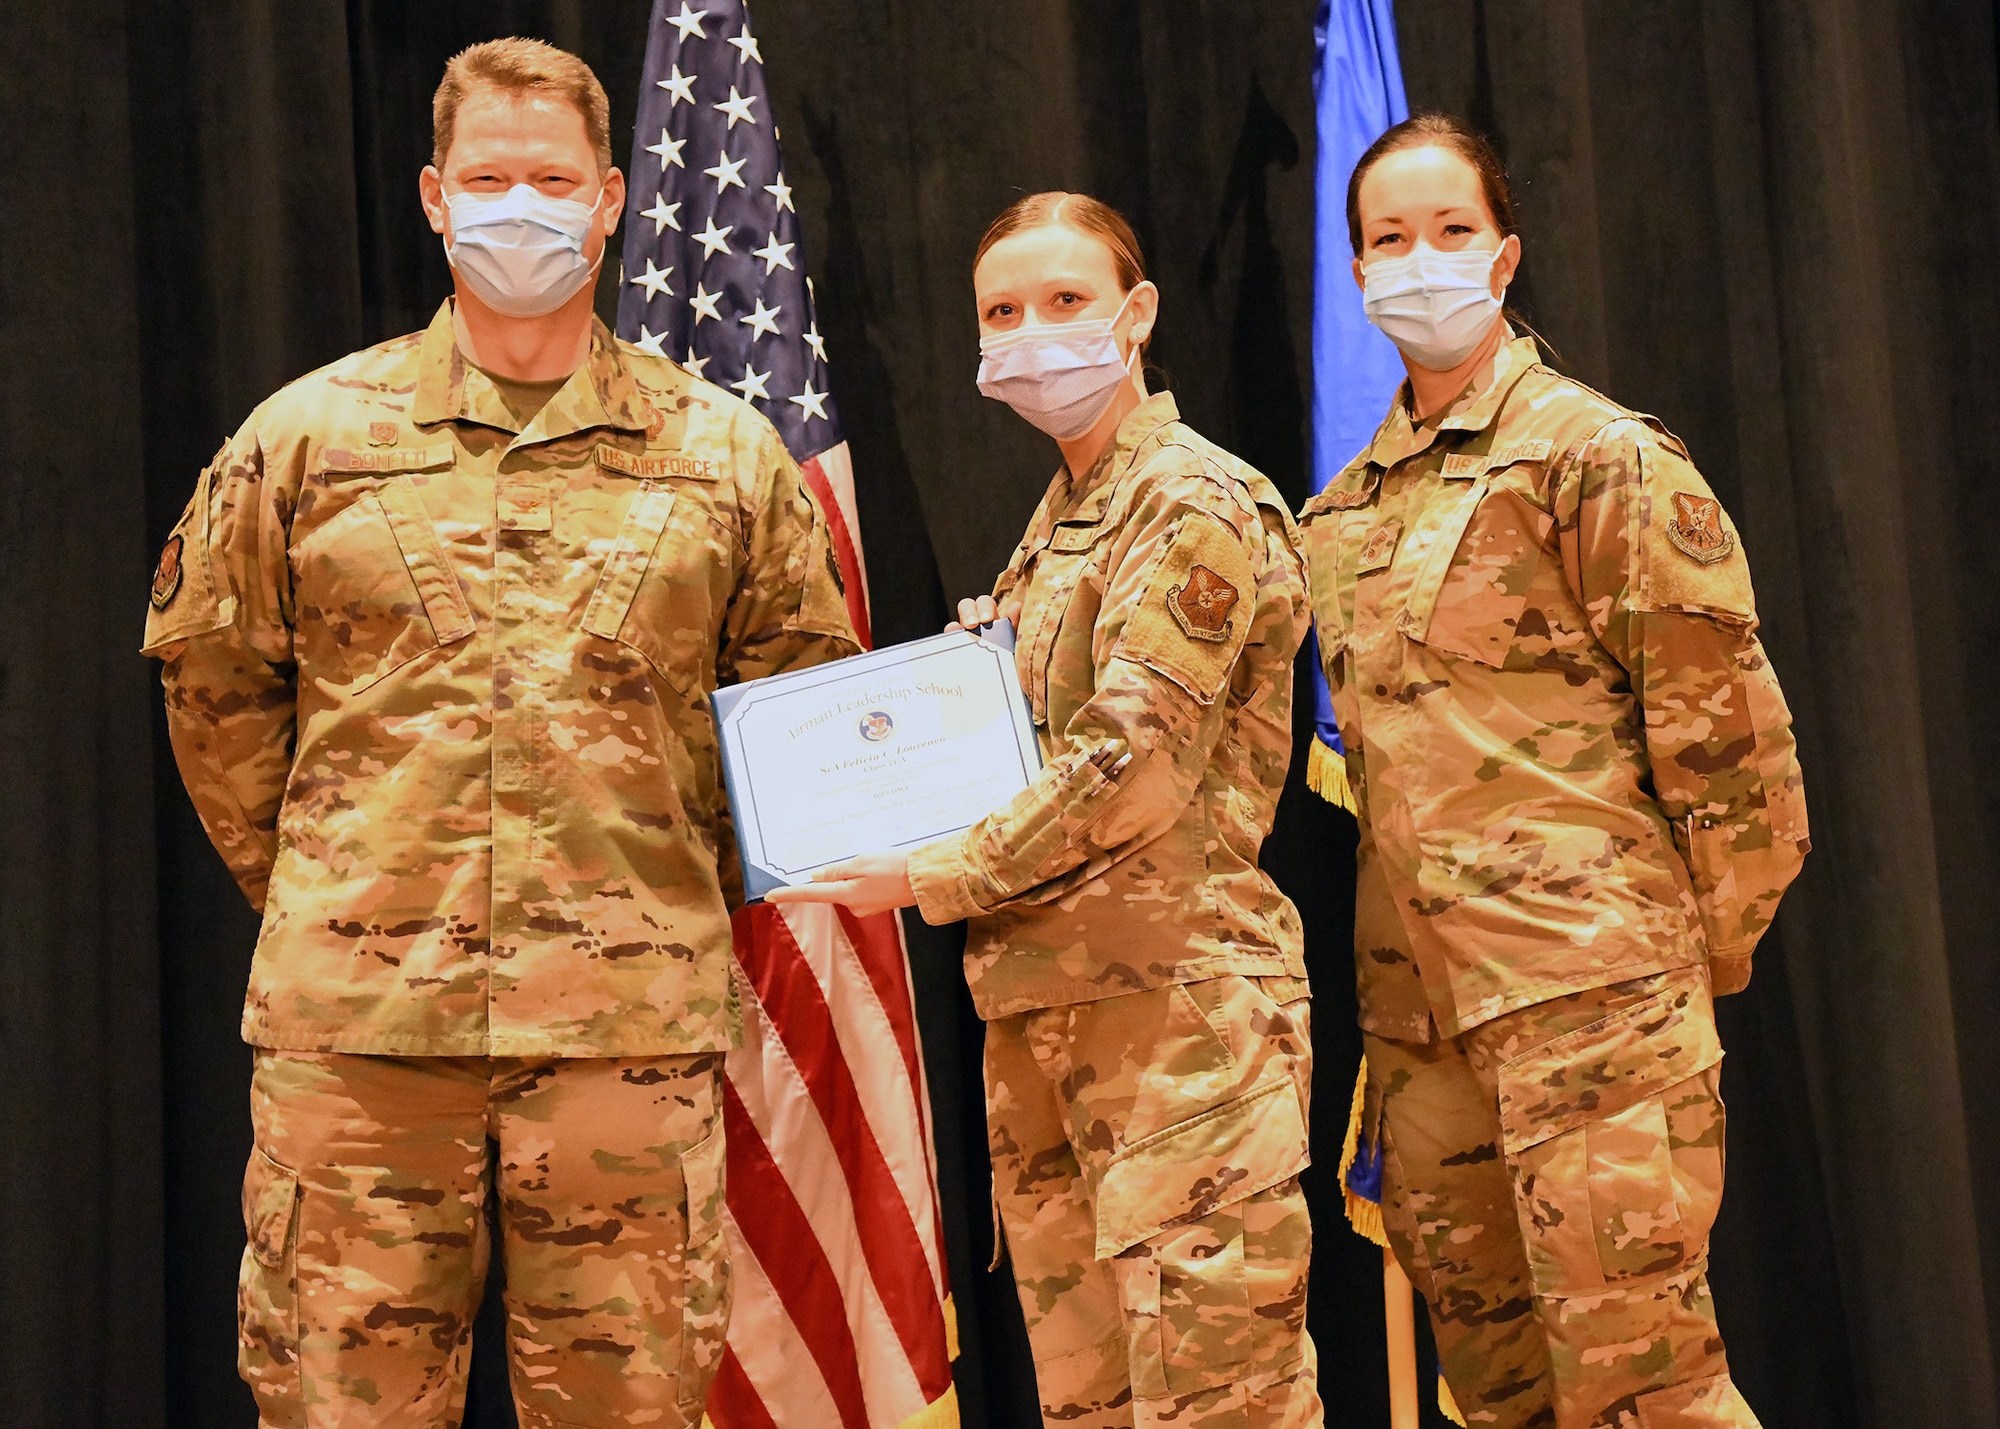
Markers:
<point>695,365</point>
<point>782,193</point>
<point>702,304</point>
<point>679,86</point>
<point>746,46</point>
<point>763,320</point>
<point>775,255</point>
<point>669,150</point>
<point>649,341</point>
<point>713,238</point>
<point>664,215</point>
<point>751,384</point>
<point>814,341</point>
<point>654,281</point>
<point>813,402</point>
<point>726,172</point>
<point>688,22</point>
<point>737,107</point>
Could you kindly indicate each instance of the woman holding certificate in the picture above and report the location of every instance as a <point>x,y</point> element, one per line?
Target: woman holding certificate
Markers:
<point>1148,1060</point>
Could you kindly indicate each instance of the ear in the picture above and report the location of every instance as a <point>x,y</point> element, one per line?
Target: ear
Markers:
<point>430,192</point>
<point>614,201</point>
<point>1359,281</point>
<point>1506,263</point>
<point>1145,310</point>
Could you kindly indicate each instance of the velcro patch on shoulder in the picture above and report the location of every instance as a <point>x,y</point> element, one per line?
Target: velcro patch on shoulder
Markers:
<point>1194,615</point>
<point>1690,556</point>
<point>427,457</point>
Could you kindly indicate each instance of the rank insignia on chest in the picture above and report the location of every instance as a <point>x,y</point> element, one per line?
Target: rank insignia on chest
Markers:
<point>1696,529</point>
<point>1201,607</point>
<point>383,434</point>
<point>1380,546</point>
<point>167,575</point>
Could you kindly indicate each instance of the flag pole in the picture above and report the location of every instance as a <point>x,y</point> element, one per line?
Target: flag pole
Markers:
<point>1399,1316</point>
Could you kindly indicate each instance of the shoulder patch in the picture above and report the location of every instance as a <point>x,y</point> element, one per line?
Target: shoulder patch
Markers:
<point>167,574</point>
<point>1696,529</point>
<point>1201,605</point>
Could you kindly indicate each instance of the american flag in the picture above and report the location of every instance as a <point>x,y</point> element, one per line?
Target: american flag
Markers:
<point>842,1313</point>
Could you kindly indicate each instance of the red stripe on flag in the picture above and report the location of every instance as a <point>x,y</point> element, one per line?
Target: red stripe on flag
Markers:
<point>733,1400</point>
<point>878,947</point>
<point>796,1007</point>
<point>782,1239</point>
<point>843,550</point>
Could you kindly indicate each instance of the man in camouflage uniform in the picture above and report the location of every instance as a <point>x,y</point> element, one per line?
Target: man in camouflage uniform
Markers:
<point>1148,1054</point>
<point>1579,804</point>
<point>437,640</point>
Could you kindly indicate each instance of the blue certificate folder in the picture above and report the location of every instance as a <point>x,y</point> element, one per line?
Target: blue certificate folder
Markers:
<point>887,750</point>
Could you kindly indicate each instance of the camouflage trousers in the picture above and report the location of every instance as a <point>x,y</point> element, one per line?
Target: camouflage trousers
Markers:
<point>1549,1180</point>
<point>365,1205</point>
<point>1146,1155</point>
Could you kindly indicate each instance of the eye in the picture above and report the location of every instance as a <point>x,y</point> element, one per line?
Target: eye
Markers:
<point>1453,230</point>
<point>1385,239</point>
<point>999,311</point>
<point>1069,300</point>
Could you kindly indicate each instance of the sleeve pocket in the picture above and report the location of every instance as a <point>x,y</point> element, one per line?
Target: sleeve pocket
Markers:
<point>1195,612</point>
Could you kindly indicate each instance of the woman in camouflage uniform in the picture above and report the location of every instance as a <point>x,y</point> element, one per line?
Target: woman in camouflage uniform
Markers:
<point>1147,1058</point>
<point>1579,804</point>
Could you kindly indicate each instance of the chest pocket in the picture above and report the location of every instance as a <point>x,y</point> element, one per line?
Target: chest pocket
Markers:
<point>662,587</point>
<point>373,589</point>
<point>1480,543</point>
<point>1062,593</point>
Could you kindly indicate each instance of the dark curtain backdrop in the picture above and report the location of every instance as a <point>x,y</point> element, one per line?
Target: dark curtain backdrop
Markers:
<point>1772,224</point>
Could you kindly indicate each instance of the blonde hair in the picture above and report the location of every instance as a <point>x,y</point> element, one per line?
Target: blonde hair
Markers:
<point>1090,216</point>
<point>518,66</point>
<point>1079,211</point>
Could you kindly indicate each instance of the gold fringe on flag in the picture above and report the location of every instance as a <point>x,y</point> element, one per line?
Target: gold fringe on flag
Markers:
<point>950,1329</point>
<point>940,1413</point>
<point>1326,776</point>
<point>1363,1214</point>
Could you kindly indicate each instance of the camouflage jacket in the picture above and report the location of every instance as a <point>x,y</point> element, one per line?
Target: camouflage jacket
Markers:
<point>1571,756</point>
<point>1159,602</point>
<point>437,689</point>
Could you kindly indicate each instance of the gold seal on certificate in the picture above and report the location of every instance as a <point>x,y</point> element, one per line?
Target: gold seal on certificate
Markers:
<point>887,750</point>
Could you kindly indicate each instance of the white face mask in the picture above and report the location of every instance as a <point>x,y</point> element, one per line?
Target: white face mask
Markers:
<point>1437,307</point>
<point>521,252</point>
<point>1060,377</point>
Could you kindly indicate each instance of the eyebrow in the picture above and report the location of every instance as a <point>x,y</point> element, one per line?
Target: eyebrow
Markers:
<point>1435,213</point>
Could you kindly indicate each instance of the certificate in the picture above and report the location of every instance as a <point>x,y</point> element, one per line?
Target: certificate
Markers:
<point>886,750</point>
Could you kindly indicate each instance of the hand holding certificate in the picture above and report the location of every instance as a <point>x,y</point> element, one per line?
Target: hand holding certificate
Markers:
<point>873,755</point>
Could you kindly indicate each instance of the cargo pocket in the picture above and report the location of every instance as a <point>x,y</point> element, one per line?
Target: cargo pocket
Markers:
<point>705,1279</point>
<point>1169,1209</point>
<point>267,1354</point>
<point>1614,1138</point>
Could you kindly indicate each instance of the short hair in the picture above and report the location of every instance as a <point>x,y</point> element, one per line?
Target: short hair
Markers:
<point>1434,129</point>
<point>519,66</point>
